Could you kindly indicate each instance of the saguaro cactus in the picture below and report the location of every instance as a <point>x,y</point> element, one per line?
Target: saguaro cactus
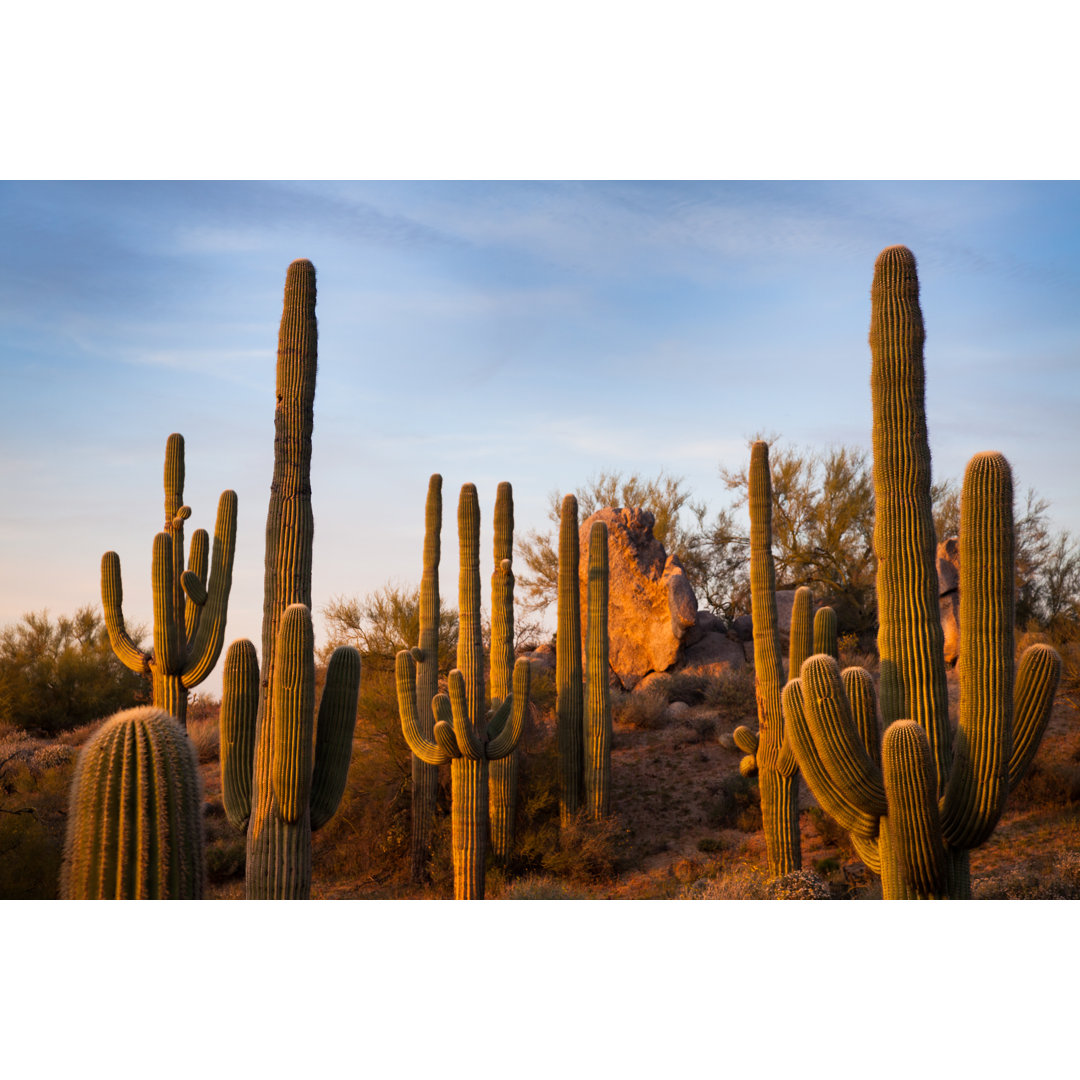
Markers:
<point>767,752</point>
<point>825,635</point>
<point>916,810</point>
<point>189,610</point>
<point>298,766</point>
<point>425,777</point>
<point>135,815</point>
<point>597,730</point>
<point>570,700</point>
<point>801,639</point>
<point>465,733</point>
<point>503,774</point>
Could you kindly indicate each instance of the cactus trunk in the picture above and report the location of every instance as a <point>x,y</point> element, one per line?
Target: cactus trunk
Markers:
<point>570,704</point>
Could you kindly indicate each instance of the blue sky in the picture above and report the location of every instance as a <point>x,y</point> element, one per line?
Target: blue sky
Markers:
<point>532,332</point>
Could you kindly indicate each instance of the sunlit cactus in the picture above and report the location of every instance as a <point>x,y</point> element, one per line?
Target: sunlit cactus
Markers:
<point>801,638</point>
<point>503,774</point>
<point>569,688</point>
<point>465,732</point>
<point>825,635</point>
<point>425,777</point>
<point>135,813</point>
<point>597,727</point>
<point>767,752</point>
<point>299,764</point>
<point>916,808</point>
<point>190,606</point>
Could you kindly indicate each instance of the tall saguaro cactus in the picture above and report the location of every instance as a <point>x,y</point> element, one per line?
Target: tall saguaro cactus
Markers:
<point>425,777</point>
<point>135,814</point>
<point>767,752</point>
<point>189,609</point>
<point>503,774</point>
<point>465,733</point>
<point>570,699</point>
<point>597,728</point>
<point>298,765</point>
<point>916,809</point>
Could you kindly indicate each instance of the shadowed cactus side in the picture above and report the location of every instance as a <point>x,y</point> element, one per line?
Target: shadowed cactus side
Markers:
<point>919,806</point>
<point>503,773</point>
<point>135,813</point>
<point>299,764</point>
<point>569,689</point>
<point>425,777</point>
<point>190,606</point>
<point>767,752</point>
<point>465,732</point>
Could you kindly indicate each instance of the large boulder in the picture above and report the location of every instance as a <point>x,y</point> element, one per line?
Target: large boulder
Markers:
<point>743,626</point>
<point>948,572</point>
<point>651,604</point>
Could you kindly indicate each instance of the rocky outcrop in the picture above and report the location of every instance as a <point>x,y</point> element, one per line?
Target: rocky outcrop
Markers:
<point>743,626</point>
<point>651,604</point>
<point>948,572</point>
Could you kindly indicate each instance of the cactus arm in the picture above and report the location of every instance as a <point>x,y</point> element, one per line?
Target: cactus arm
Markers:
<point>294,713</point>
<point>597,720</point>
<point>444,726</point>
<point>168,643</point>
<point>978,783</point>
<point>502,595</point>
<point>800,646</point>
<point>498,719</point>
<point>825,633</point>
<point>907,767</point>
<point>835,799</point>
<point>112,603</point>
<point>334,734</point>
<point>405,680</point>
<point>239,708</point>
<point>838,741</point>
<point>745,739</point>
<point>193,582</point>
<point>1036,682</point>
<point>867,850</point>
<point>862,697</point>
<point>210,635</point>
<point>507,740</point>
<point>469,743</point>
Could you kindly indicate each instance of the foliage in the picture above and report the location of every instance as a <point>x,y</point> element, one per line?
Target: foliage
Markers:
<point>665,497</point>
<point>61,674</point>
<point>384,622</point>
<point>822,526</point>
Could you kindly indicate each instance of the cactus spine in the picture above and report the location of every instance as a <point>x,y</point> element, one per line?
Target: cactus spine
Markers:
<point>425,777</point>
<point>465,733</point>
<point>295,786</point>
<point>135,824</point>
<point>916,809</point>
<point>767,752</point>
<point>570,703</point>
<point>503,774</point>
<point>189,608</point>
<point>597,731</point>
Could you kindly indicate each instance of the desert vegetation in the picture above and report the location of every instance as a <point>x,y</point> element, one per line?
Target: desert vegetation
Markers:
<point>429,752</point>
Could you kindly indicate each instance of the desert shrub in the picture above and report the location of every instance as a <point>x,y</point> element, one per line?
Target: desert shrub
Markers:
<point>646,710</point>
<point>688,688</point>
<point>732,695</point>
<point>735,806</point>
<point>744,881</point>
<point>710,845</point>
<point>34,781</point>
<point>1047,784</point>
<point>798,885</point>
<point>704,728</point>
<point>225,858</point>
<point>541,887</point>
<point>205,736</point>
<point>61,674</point>
<point>1060,880</point>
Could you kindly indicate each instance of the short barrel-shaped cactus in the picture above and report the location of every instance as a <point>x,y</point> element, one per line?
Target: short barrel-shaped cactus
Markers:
<point>135,813</point>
